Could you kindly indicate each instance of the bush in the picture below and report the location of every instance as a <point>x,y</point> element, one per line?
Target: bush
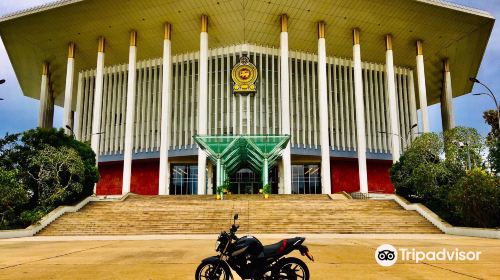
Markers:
<point>424,175</point>
<point>476,199</point>
<point>51,167</point>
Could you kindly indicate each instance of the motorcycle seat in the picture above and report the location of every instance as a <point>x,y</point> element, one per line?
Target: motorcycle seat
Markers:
<point>285,246</point>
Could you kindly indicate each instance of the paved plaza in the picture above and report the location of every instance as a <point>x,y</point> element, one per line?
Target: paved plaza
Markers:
<point>174,257</point>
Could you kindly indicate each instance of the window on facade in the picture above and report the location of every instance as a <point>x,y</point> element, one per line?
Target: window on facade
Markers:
<point>184,179</point>
<point>306,179</point>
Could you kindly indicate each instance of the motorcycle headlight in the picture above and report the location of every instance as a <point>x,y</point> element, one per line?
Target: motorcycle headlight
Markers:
<point>217,244</point>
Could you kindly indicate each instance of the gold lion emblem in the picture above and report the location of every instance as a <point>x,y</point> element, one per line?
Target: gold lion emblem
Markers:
<point>244,75</point>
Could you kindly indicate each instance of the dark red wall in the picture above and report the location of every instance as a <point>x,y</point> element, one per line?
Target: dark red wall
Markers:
<point>345,176</point>
<point>111,178</point>
<point>144,177</point>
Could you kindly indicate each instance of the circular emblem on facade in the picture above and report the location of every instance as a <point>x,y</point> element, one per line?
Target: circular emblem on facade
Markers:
<point>244,75</point>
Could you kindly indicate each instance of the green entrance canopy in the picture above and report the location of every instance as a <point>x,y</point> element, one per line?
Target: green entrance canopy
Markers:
<point>229,153</point>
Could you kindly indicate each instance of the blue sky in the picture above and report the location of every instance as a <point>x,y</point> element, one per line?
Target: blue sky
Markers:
<point>19,113</point>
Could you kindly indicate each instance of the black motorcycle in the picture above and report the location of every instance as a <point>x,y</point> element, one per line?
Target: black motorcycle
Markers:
<point>251,260</point>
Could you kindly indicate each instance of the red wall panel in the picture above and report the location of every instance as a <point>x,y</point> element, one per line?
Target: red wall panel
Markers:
<point>111,178</point>
<point>345,176</point>
<point>144,177</point>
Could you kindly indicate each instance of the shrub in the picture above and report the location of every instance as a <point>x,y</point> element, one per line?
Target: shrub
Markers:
<point>424,175</point>
<point>476,199</point>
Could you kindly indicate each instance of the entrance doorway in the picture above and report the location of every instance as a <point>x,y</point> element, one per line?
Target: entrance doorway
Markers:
<point>246,181</point>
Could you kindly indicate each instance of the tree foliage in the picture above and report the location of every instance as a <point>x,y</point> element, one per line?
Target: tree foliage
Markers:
<point>51,167</point>
<point>433,171</point>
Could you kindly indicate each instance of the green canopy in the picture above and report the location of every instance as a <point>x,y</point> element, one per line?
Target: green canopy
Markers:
<point>230,153</point>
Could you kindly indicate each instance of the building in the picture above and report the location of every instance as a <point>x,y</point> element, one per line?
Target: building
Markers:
<point>337,89</point>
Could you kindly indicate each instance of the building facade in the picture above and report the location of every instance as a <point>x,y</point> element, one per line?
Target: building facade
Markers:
<point>347,119</point>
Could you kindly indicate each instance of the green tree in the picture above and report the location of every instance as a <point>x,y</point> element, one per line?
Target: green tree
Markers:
<point>463,146</point>
<point>476,199</point>
<point>493,140</point>
<point>58,173</point>
<point>52,167</point>
<point>12,196</point>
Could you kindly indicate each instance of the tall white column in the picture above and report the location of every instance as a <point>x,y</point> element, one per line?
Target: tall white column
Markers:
<point>68,92</point>
<point>447,116</point>
<point>285,104</point>
<point>165,112</point>
<point>203,101</point>
<point>44,91</point>
<point>422,91</point>
<point>130,114</point>
<point>323,112</point>
<point>360,113</point>
<point>391,89</point>
<point>96,113</point>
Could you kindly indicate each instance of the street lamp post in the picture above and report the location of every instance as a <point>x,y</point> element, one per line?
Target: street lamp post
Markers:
<point>407,136</point>
<point>489,93</point>
<point>1,82</point>
<point>71,130</point>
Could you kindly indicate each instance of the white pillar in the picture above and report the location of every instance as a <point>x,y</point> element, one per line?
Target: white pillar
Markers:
<point>422,91</point>
<point>447,116</point>
<point>285,104</point>
<point>68,92</point>
<point>203,101</point>
<point>96,114</point>
<point>165,112</point>
<point>44,91</point>
<point>391,89</point>
<point>130,114</point>
<point>360,114</point>
<point>323,112</point>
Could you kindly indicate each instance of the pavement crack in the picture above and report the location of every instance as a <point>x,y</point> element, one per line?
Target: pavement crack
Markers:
<point>451,270</point>
<point>56,256</point>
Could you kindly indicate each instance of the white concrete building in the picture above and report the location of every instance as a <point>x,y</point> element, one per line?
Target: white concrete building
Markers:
<point>345,81</point>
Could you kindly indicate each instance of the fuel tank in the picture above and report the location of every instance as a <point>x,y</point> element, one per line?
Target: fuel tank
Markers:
<point>247,245</point>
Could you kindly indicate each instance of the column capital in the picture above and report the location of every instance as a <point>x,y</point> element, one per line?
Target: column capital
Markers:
<point>204,23</point>
<point>446,65</point>
<point>133,38</point>
<point>284,22</point>
<point>388,42</point>
<point>420,50</point>
<point>101,44</point>
<point>355,36</point>
<point>71,50</point>
<point>321,29</point>
<point>45,68</point>
<point>168,31</point>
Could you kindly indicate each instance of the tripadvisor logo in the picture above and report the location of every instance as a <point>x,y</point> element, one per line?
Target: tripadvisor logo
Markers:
<point>387,255</point>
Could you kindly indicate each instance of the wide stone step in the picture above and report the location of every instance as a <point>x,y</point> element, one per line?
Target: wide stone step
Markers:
<point>202,214</point>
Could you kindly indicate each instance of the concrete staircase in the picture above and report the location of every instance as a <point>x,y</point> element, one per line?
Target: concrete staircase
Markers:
<point>141,215</point>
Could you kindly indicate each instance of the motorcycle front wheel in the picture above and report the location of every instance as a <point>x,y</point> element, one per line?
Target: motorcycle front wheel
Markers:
<point>291,269</point>
<point>211,270</point>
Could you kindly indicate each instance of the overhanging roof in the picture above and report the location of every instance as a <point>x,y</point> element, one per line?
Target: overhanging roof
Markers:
<point>448,30</point>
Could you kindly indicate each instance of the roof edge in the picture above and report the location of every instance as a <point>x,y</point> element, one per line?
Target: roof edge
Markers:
<point>37,9</point>
<point>458,7</point>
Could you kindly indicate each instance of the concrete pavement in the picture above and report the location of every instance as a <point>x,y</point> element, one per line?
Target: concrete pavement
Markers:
<point>171,257</point>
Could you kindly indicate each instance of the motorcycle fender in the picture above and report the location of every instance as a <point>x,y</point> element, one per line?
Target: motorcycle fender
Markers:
<point>216,259</point>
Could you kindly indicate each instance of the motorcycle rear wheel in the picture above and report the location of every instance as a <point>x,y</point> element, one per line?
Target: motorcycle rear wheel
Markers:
<point>291,269</point>
<point>207,271</point>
